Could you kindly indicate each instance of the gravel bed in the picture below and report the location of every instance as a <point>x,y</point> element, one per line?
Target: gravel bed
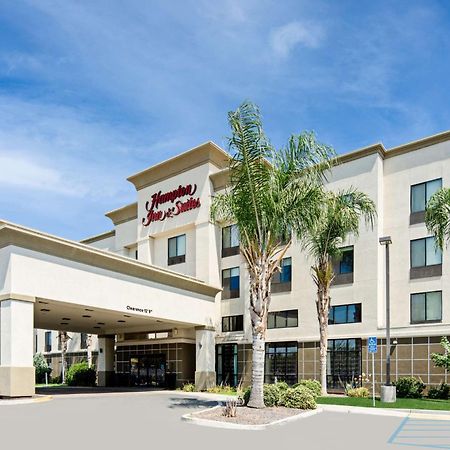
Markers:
<point>250,416</point>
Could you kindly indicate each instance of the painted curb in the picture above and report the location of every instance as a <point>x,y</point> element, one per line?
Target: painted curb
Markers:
<point>190,417</point>
<point>26,401</point>
<point>385,411</point>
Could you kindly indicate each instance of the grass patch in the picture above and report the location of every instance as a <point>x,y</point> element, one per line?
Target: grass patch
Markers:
<point>52,385</point>
<point>401,403</point>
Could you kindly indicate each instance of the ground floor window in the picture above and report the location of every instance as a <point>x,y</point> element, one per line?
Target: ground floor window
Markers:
<point>281,362</point>
<point>343,362</point>
<point>148,370</point>
<point>227,364</point>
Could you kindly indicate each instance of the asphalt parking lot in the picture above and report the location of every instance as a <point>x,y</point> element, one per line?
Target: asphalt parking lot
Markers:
<point>150,419</point>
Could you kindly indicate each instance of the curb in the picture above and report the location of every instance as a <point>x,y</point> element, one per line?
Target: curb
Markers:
<point>236,426</point>
<point>444,415</point>
<point>26,401</point>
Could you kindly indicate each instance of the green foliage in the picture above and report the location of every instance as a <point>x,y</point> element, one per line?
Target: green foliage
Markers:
<point>299,397</point>
<point>442,360</point>
<point>360,392</point>
<point>409,387</point>
<point>437,216</point>
<point>272,393</point>
<point>313,385</point>
<point>188,387</point>
<point>222,389</point>
<point>41,368</point>
<point>80,374</point>
<point>282,385</point>
<point>440,392</point>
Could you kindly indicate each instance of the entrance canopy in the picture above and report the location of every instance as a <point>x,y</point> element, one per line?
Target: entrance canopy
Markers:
<point>80,288</point>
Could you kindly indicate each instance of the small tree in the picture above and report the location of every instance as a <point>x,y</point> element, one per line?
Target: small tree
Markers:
<point>41,367</point>
<point>442,360</point>
<point>339,216</point>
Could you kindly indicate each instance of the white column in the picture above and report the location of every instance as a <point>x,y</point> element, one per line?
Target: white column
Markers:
<point>205,358</point>
<point>105,362</point>
<point>16,347</point>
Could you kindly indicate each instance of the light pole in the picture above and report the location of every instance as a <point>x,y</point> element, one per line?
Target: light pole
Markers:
<point>388,392</point>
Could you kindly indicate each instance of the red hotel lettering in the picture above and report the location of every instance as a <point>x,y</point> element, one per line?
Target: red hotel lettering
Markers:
<point>159,198</point>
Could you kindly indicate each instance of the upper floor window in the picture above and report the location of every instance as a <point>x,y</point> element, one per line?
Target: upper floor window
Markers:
<point>232,323</point>
<point>421,194</point>
<point>230,283</point>
<point>177,250</point>
<point>283,319</point>
<point>424,252</point>
<point>346,260</point>
<point>230,240</point>
<point>281,281</point>
<point>83,341</point>
<point>345,314</point>
<point>48,341</point>
<point>426,307</point>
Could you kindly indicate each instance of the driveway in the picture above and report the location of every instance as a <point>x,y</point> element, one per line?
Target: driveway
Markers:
<point>153,420</point>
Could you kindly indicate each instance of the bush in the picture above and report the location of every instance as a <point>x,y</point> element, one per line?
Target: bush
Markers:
<point>439,392</point>
<point>282,385</point>
<point>272,393</point>
<point>409,387</point>
<point>41,368</point>
<point>313,385</point>
<point>80,374</point>
<point>188,387</point>
<point>360,392</point>
<point>299,397</point>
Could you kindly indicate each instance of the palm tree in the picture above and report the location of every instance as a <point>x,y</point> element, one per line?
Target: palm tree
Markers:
<point>273,194</point>
<point>437,216</point>
<point>338,217</point>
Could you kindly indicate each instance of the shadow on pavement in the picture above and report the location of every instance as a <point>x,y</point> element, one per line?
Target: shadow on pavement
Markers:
<point>65,390</point>
<point>189,402</point>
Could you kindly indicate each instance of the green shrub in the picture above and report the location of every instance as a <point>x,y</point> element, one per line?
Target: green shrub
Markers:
<point>299,397</point>
<point>272,393</point>
<point>80,374</point>
<point>313,385</point>
<point>439,392</point>
<point>41,368</point>
<point>409,387</point>
<point>222,389</point>
<point>188,387</point>
<point>360,392</point>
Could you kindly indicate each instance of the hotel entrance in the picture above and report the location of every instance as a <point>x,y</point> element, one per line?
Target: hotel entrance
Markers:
<point>148,370</point>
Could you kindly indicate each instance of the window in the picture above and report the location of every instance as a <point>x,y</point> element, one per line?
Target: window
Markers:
<point>283,319</point>
<point>281,281</point>
<point>230,241</point>
<point>232,323</point>
<point>343,362</point>
<point>281,362</point>
<point>227,364</point>
<point>346,261</point>
<point>83,341</point>
<point>426,307</point>
<point>177,250</point>
<point>345,314</point>
<point>421,194</point>
<point>48,341</point>
<point>424,252</point>
<point>230,282</point>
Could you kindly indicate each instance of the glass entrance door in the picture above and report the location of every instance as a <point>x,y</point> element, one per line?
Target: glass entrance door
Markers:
<point>148,370</point>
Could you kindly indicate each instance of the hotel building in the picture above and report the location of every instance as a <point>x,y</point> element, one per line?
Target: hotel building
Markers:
<point>166,290</point>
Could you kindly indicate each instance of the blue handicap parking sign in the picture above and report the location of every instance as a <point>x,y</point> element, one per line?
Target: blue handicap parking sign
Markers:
<point>372,344</point>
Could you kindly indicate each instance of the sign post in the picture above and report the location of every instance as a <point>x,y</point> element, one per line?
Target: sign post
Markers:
<point>373,347</point>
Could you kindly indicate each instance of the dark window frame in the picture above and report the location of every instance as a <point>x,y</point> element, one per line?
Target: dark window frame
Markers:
<point>231,324</point>
<point>229,251</point>
<point>48,346</point>
<point>423,183</point>
<point>280,314</point>
<point>426,239</point>
<point>286,285</point>
<point>227,292</point>
<point>289,377</point>
<point>83,341</point>
<point>177,259</point>
<point>351,355</point>
<point>331,320</point>
<point>415,322</point>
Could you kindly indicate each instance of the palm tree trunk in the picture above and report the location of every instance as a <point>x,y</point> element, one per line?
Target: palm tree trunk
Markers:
<point>89,350</point>
<point>323,354</point>
<point>259,306</point>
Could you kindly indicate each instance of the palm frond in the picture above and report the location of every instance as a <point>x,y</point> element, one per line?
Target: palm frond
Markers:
<point>437,216</point>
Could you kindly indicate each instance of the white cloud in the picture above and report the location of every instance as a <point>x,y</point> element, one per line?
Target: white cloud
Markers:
<point>283,39</point>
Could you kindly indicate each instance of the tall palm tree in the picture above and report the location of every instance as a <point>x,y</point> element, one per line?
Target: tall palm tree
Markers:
<point>273,194</point>
<point>339,216</point>
<point>437,216</point>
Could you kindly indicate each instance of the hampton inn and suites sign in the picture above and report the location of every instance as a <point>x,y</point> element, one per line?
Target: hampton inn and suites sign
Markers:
<point>178,204</point>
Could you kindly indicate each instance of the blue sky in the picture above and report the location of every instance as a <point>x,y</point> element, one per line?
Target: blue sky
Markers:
<point>92,91</point>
